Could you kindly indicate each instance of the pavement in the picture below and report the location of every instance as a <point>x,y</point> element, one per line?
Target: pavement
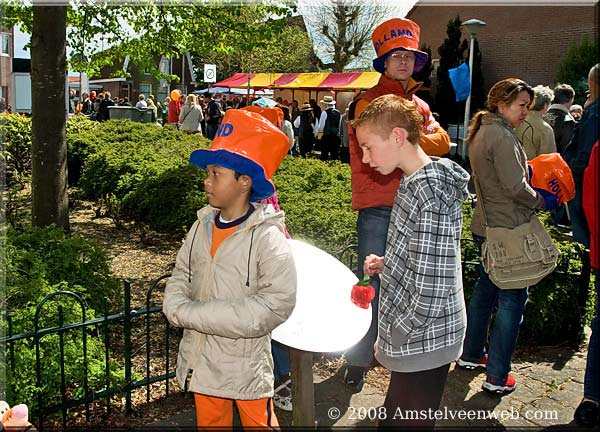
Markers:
<point>549,388</point>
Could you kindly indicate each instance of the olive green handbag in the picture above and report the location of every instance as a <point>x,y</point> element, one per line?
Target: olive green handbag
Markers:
<point>518,257</point>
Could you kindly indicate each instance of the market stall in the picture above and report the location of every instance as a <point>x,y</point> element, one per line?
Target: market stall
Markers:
<point>305,86</point>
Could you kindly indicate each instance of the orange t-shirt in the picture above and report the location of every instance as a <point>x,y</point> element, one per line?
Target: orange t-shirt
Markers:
<point>218,235</point>
<point>223,229</point>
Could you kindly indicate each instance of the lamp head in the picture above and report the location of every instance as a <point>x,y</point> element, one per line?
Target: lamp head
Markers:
<point>473,26</point>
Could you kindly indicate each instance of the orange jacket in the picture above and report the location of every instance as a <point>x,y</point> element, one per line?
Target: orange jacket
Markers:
<point>370,188</point>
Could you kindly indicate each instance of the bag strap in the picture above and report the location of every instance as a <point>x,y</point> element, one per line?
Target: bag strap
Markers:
<point>479,194</point>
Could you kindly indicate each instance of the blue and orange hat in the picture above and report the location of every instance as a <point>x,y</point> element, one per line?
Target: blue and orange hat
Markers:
<point>394,35</point>
<point>249,144</point>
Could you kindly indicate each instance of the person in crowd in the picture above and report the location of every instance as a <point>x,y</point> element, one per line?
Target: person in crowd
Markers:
<point>307,129</point>
<point>191,116</point>
<point>244,102</point>
<point>577,155</point>
<point>154,109</point>
<point>316,108</point>
<point>97,102</point>
<point>2,105</point>
<point>87,104</point>
<point>72,102</point>
<point>173,111</point>
<point>214,114</point>
<point>103,113</point>
<point>536,135</point>
<point>422,309</point>
<point>165,111</point>
<point>558,117</point>
<point>295,110</point>
<point>499,167</point>
<point>563,125</point>
<point>344,138</point>
<point>234,279</point>
<point>586,413</point>
<point>396,44</point>
<point>576,111</point>
<point>141,103</point>
<point>329,127</point>
<point>287,127</point>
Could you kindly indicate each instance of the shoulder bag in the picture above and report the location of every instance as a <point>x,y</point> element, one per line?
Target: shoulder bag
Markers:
<point>518,257</point>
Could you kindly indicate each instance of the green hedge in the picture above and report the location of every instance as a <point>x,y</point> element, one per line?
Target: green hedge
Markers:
<point>39,262</point>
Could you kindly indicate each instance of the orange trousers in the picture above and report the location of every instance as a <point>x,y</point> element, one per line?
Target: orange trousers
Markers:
<point>215,412</point>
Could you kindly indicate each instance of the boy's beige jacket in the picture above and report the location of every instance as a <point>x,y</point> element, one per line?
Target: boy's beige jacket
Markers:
<point>228,305</point>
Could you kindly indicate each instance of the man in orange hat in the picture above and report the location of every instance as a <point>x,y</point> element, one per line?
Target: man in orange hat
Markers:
<point>396,44</point>
<point>234,280</point>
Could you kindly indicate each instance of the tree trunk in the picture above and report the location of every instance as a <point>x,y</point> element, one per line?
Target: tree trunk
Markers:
<point>48,120</point>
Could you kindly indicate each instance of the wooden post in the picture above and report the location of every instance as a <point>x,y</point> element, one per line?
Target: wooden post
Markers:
<point>303,389</point>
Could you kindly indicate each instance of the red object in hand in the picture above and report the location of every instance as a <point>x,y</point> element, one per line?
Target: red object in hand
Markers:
<point>363,293</point>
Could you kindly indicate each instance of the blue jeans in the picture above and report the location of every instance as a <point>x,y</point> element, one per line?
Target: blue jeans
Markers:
<point>211,130</point>
<point>510,305</point>
<point>281,359</point>
<point>591,384</point>
<point>372,227</point>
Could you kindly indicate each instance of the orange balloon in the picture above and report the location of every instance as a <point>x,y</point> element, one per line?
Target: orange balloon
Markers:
<point>175,94</point>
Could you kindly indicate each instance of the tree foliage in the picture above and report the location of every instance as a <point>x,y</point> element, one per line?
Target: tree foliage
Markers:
<point>274,56</point>
<point>343,29</point>
<point>576,65</point>
<point>452,53</point>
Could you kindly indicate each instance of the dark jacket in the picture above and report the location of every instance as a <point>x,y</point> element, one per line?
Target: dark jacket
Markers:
<point>577,155</point>
<point>562,124</point>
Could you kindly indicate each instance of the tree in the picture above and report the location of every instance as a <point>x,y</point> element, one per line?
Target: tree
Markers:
<point>275,56</point>
<point>48,119</point>
<point>424,75</point>
<point>452,54</point>
<point>576,65</point>
<point>157,29</point>
<point>343,29</point>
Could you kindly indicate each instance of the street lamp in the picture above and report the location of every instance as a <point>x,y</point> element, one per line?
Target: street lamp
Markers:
<point>472,26</point>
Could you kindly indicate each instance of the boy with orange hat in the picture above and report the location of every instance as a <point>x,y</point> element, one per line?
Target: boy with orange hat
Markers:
<point>234,280</point>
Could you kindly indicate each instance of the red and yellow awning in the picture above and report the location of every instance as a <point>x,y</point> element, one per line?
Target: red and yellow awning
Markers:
<point>312,80</point>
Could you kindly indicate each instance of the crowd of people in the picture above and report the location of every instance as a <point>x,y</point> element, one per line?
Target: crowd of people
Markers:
<point>408,198</point>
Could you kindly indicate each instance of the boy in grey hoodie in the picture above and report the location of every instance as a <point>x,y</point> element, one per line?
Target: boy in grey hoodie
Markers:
<point>422,318</point>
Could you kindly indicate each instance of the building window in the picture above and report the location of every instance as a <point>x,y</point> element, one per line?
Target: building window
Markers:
<point>5,45</point>
<point>146,89</point>
<point>125,91</point>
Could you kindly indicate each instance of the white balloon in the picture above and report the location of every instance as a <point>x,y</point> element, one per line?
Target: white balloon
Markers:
<point>324,319</point>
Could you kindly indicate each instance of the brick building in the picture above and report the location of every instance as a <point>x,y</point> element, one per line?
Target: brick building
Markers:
<point>6,56</point>
<point>527,42</point>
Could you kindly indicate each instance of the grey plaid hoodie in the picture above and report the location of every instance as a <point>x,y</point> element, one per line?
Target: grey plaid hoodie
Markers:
<point>422,317</point>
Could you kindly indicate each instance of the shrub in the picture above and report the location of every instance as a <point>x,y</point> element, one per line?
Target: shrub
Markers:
<point>16,135</point>
<point>39,262</point>
<point>317,201</point>
<point>554,313</point>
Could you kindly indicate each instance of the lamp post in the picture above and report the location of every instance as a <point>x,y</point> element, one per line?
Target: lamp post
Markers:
<point>472,26</point>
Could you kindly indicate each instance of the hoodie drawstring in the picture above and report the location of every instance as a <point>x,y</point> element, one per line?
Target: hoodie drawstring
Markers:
<point>190,256</point>
<point>249,253</point>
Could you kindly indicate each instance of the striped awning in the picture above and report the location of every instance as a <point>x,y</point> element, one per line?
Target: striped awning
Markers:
<point>312,80</point>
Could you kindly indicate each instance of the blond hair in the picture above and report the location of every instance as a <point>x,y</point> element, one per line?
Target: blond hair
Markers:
<point>391,111</point>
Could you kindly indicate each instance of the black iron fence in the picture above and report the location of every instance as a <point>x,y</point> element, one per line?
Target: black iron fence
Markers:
<point>124,336</point>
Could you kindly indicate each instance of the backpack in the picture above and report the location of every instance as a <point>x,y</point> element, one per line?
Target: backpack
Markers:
<point>332,123</point>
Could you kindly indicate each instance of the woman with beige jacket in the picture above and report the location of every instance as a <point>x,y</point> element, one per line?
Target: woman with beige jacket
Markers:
<point>499,168</point>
